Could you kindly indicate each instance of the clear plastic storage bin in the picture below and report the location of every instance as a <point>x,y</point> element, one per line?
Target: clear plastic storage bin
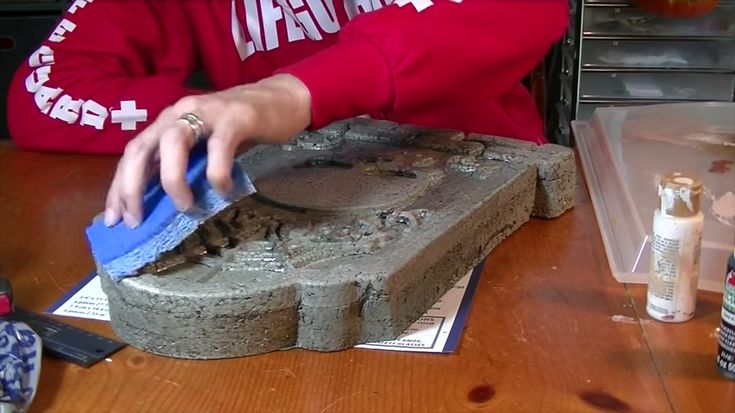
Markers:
<point>623,151</point>
<point>585,110</point>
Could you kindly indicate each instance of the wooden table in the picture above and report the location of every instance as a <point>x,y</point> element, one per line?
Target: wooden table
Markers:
<point>542,335</point>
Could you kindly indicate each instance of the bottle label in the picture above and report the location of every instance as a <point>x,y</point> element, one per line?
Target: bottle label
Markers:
<point>728,296</point>
<point>674,271</point>
<point>665,267</point>
<point>726,351</point>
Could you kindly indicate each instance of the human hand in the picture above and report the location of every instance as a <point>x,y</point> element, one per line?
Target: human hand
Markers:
<point>269,111</point>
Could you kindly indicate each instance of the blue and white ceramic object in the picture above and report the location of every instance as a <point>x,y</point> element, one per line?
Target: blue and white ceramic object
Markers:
<point>20,366</point>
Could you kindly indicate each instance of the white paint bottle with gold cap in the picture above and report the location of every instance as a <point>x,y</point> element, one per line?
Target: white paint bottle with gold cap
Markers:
<point>676,246</point>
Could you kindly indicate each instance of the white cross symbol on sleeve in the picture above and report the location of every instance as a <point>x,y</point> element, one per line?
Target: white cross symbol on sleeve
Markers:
<point>128,115</point>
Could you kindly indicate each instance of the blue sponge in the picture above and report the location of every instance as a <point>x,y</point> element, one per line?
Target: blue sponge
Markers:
<point>122,251</point>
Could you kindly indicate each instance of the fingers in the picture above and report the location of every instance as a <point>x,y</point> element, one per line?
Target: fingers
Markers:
<point>113,206</point>
<point>231,118</point>
<point>221,155</point>
<point>176,143</point>
<point>131,181</point>
<point>124,198</point>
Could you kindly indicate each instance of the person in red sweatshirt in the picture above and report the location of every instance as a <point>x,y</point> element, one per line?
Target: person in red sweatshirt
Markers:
<point>111,77</point>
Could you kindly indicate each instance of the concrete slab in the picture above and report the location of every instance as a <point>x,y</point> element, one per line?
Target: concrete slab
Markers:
<point>557,170</point>
<point>356,230</point>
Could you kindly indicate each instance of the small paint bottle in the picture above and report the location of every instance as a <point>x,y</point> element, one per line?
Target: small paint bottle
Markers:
<point>726,348</point>
<point>676,246</point>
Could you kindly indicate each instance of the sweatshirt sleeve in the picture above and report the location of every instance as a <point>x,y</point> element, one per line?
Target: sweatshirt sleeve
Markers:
<point>414,53</point>
<point>103,74</point>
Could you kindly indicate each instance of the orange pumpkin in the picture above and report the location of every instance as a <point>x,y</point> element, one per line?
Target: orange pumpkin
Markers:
<point>678,8</point>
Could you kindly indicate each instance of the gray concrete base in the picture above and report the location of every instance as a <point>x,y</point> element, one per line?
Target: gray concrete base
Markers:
<point>356,230</point>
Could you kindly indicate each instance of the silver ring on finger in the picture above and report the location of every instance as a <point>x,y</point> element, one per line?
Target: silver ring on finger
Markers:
<point>196,124</point>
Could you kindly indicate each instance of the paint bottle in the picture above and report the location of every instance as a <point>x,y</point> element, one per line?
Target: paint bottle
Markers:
<point>676,246</point>
<point>726,349</point>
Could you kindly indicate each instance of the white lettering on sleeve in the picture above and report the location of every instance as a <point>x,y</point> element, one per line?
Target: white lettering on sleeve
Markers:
<point>271,14</point>
<point>93,114</point>
<point>355,7</point>
<point>245,48</point>
<point>44,96</point>
<point>293,31</point>
<point>308,25</point>
<point>42,56</point>
<point>304,19</point>
<point>326,17</point>
<point>420,5</point>
<point>79,4</point>
<point>60,30</point>
<point>37,78</point>
<point>128,115</point>
<point>253,23</point>
<point>66,109</point>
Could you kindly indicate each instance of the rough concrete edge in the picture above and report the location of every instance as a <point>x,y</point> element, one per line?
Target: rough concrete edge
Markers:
<point>557,171</point>
<point>436,275</point>
<point>398,328</point>
<point>439,275</point>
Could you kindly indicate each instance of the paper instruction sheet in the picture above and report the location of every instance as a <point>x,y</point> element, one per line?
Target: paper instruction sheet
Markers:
<point>437,331</point>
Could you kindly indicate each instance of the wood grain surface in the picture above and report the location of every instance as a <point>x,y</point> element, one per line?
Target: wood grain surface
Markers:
<point>550,329</point>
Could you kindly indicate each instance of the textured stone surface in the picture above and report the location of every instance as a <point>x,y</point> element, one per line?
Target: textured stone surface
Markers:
<point>356,230</point>
<point>557,170</point>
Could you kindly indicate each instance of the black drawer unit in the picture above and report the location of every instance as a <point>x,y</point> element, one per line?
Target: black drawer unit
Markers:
<point>562,80</point>
<point>23,26</point>
<point>621,55</point>
<point>630,57</point>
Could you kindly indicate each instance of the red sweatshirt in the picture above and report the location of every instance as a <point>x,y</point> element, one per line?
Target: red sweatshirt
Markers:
<point>110,66</point>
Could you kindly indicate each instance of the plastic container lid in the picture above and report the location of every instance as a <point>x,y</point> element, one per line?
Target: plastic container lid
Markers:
<point>625,151</point>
